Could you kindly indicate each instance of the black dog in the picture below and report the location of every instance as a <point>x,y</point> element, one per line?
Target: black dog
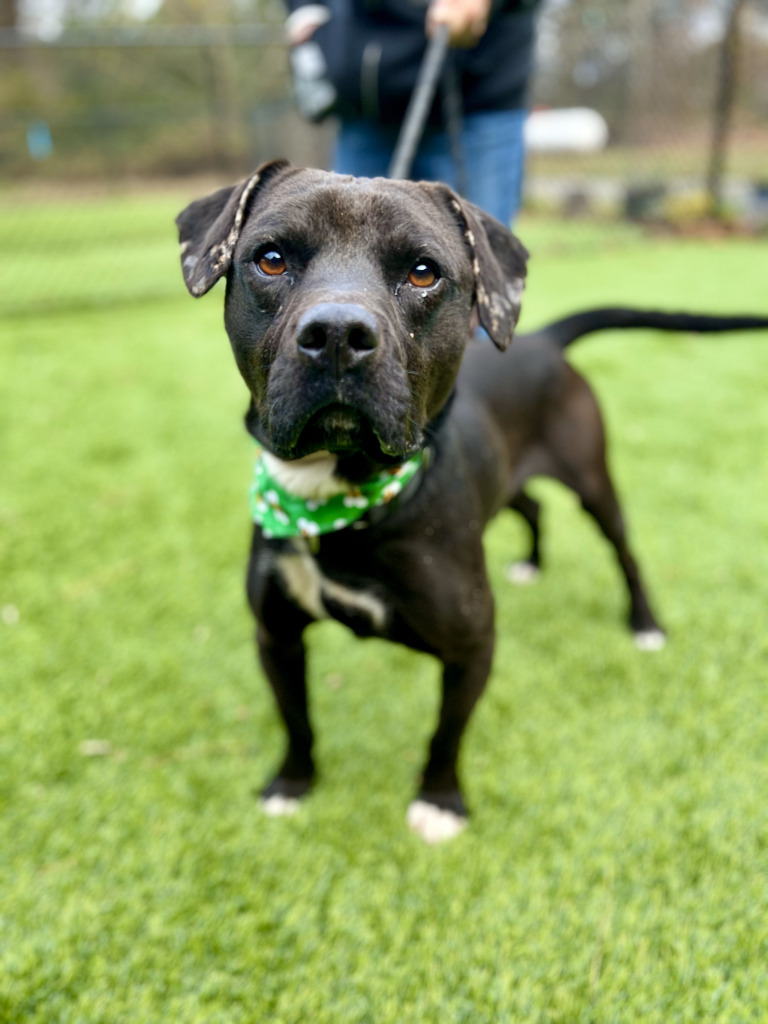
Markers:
<point>349,307</point>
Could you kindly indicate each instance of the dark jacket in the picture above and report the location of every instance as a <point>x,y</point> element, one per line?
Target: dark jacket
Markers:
<point>373,50</point>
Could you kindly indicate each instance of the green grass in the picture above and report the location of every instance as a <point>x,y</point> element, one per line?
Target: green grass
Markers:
<point>616,866</point>
<point>65,251</point>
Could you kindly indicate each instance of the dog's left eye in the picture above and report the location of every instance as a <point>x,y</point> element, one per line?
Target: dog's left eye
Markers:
<point>423,274</point>
<point>271,263</point>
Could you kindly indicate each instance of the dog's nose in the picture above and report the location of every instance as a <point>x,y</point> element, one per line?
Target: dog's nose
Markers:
<point>338,333</point>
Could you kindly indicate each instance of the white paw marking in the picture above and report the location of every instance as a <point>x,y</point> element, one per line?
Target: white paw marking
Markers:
<point>523,573</point>
<point>279,806</point>
<point>650,640</point>
<point>432,823</point>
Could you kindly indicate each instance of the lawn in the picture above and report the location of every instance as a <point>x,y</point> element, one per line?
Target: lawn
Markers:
<point>616,864</point>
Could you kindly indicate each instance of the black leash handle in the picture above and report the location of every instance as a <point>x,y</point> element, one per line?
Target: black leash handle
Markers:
<point>420,103</point>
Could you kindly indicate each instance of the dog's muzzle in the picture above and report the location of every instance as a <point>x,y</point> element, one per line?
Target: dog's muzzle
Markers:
<point>336,342</point>
<point>339,385</point>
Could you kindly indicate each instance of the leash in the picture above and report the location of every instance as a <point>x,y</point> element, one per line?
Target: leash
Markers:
<point>430,74</point>
<point>453,113</point>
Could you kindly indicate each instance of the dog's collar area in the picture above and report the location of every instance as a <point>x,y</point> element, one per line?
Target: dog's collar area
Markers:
<point>280,513</point>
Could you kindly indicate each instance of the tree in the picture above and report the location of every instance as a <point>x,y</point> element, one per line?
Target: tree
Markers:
<point>9,13</point>
<point>724,104</point>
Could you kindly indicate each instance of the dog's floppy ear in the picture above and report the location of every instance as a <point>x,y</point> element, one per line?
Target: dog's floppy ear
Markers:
<point>499,267</point>
<point>209,229</point>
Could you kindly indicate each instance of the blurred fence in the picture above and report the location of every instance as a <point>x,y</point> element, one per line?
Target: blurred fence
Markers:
<point>105,133</point>
<point>683,86</point>
<point>150,102</point>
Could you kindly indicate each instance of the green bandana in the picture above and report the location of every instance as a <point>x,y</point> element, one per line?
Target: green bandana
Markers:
<point>282,514</point>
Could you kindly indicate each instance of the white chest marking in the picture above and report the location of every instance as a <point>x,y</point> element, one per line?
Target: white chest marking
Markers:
<point>311,478</point>
<point>302,579</point>
<point>307,586</point>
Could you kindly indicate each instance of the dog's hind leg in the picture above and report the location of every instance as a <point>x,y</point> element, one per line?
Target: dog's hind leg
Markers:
<point>599,500</point>
<point>528,569</point>
<point>575,440</point>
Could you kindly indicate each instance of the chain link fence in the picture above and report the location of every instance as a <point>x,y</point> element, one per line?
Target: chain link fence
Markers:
<point>106,132</point>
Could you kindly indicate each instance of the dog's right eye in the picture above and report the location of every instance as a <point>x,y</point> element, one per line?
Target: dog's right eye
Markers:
<point>271,263</point>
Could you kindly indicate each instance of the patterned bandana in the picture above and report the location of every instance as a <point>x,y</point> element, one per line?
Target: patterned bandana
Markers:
<point>282,514</point>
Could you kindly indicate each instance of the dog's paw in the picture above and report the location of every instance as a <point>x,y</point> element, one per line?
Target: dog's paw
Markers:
<point>523,573</point>
<point>434,824</point>
<point>283,796</point>
<point>650,640</point>
<point>279,806</point>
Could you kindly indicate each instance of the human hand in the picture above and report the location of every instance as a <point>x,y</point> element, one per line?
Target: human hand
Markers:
<point>303,22</point>
<point>467,20</point>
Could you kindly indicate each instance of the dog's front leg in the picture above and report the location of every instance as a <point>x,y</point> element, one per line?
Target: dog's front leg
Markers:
<point>439,811</point>
<point>284,665</point>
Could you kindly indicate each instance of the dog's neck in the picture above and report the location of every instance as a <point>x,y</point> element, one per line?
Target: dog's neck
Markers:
<point>315,477</point>
<point>307,498</point>
<point>323,474</point>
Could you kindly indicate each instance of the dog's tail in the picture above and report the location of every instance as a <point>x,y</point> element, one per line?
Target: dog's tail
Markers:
<point>564,332</point>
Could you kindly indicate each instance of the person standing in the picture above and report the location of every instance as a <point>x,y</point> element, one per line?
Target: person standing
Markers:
<point>365,57</point>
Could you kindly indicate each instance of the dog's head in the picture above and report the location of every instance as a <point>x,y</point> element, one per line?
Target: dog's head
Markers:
<point>349,301</point>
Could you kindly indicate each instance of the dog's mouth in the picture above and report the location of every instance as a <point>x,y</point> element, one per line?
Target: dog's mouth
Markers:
<point>303,412</point>
<point>339,429</point>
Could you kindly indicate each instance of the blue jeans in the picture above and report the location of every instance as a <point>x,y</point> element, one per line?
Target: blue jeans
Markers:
<point>493,150</point>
